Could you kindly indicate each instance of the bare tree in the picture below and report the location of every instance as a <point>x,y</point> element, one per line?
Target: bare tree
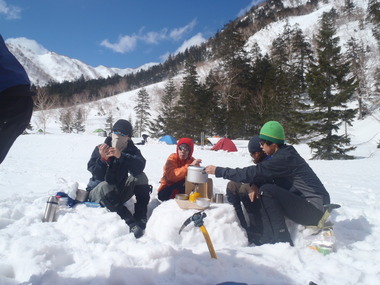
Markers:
<point>44,104</point>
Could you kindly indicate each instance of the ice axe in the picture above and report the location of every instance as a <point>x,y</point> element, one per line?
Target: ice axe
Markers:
<point>197,218</point>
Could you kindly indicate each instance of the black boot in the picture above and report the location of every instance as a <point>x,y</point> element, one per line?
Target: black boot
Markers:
<point>142,193</point>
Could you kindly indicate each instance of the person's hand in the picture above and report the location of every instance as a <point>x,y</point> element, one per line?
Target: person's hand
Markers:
<point>210,169</point>
<point>254,193</point>
<point>103,151</point>
<point>113,151</point>
<point>196,162</point>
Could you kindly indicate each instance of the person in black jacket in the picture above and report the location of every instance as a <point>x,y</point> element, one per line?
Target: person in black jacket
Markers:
<point>296,191</point>
<point>117,174</point>
<point>16,104</point>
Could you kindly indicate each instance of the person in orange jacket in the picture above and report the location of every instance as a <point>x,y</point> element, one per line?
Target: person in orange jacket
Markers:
<point>175,170</point>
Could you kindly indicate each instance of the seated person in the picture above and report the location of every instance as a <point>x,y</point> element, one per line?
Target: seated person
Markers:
<point>175,170</point>
<point>238,193</point>
<point>296,192</point>
<point>117,174</point>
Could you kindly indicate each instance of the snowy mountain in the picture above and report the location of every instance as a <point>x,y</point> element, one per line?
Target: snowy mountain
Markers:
<point>44,66</point>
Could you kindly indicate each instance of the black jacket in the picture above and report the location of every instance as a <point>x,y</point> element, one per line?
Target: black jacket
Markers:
<point>116,170</point>
<point>288,170</point>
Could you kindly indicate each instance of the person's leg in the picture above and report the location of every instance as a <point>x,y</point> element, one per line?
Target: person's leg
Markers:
<point>253,209</point>
<point>297,208</point>
<point>15,114</point>
<point>233,197</point>
<point>108,196</point>
<point>273,219</point>
<point>168,192</point>
<point>141,190</point>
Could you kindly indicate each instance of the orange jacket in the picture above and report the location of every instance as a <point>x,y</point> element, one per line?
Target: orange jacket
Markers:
<point>175,169</point>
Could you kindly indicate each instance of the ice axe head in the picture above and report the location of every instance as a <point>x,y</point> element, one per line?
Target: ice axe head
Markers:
<point>197,218</point>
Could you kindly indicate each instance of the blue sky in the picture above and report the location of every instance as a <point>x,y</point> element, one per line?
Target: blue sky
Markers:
<point>117,33</point>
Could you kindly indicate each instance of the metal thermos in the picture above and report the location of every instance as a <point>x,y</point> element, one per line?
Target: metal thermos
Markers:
<point>219,198</point>
<point>51,209</point>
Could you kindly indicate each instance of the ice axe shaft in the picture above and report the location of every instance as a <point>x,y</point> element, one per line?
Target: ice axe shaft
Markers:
<point>208,241</point>
<point>197,218</point>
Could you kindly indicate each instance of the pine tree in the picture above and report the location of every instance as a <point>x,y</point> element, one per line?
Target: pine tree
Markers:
<point>165,122</point>
<point>186,113</point>
<point>142,111</point>
<point>66,119</point>
<point>234,82</point>
<point>330,87</point>
<point>78,123</point>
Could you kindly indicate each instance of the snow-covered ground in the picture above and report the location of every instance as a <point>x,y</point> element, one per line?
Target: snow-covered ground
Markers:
<point>93,246</point>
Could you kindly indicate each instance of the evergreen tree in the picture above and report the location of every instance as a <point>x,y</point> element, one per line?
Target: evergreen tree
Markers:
<point>165,122</point>
<point>66,119</point>
<point>330,88</point>
<point>234,82</point>
<point>286,89</point>
<point>78,122</point>
<point>142,111</point>
<point>188,110</point>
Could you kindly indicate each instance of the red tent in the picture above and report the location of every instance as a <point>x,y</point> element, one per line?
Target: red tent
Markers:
<point>225,144</point>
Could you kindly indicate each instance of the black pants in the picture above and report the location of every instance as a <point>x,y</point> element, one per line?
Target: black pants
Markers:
<point>15,114</point>
<point>166,193</point>
<point>278,203</point>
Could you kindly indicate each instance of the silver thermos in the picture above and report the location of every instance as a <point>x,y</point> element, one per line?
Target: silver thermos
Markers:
<point>51,209</point>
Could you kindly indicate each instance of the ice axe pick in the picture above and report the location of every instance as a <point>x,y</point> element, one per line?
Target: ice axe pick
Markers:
<point>197,218</point>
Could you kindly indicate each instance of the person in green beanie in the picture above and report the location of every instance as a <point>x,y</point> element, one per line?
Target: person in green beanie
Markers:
<point>292,189</point>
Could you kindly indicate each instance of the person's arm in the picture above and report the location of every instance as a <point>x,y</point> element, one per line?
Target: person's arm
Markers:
<point>243,175</point>
<point>97,166</point>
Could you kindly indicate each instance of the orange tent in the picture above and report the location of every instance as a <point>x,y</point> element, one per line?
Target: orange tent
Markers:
<point>225,144</point>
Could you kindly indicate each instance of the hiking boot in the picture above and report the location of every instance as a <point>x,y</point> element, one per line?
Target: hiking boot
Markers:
<point>137,231</point>
<point>142,223</point>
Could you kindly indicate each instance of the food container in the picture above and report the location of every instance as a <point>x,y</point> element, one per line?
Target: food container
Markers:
<point>182,197</point>
<point>196,174</point>
<point>203,202</point>
<point>81,195</point>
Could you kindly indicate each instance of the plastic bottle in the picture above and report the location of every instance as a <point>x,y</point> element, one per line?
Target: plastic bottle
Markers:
<point>51,209</point>
<point>194,195</point>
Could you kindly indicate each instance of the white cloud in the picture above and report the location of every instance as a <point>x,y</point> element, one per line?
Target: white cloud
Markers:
<point>10,11</point>
<point>177,34</point>
<point>128,43</point>
<point>154,37</point>
<point>195,40</point>
<point>125,44</point>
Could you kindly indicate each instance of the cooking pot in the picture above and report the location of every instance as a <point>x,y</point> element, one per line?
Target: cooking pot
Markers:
<point>196,174</point>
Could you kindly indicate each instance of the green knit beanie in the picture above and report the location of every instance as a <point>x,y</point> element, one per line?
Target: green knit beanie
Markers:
<point>272,131</point>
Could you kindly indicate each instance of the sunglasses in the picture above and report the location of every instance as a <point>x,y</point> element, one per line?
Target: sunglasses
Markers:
<point>262,142</point>
<point>119,133</point>
<point>184,148</point>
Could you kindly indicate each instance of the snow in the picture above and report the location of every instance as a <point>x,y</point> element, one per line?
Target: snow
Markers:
<point>93,246</point>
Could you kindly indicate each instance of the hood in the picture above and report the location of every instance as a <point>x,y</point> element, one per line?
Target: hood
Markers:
<point>189,142</point>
